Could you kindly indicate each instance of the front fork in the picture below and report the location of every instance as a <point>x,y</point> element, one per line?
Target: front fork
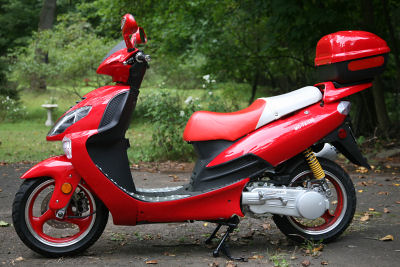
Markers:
<point>317,171</point>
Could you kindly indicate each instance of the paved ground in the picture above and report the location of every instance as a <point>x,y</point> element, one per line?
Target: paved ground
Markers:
<point>178,244</point>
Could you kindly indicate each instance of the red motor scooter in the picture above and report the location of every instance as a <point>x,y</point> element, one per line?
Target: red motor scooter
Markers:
<point>259,160</point>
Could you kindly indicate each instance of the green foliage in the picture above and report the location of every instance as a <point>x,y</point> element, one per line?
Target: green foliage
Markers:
<point>74,53</point>
<point>6,88</point>
<point>279,260</point>
<point>168,114</point>
<point>10,109</point>
<point>18,18</point>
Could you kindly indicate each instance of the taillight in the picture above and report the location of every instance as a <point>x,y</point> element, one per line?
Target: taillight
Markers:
<point>342,134</point>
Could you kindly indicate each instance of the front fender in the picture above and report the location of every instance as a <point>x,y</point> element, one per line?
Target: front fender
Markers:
<point>62,171</point>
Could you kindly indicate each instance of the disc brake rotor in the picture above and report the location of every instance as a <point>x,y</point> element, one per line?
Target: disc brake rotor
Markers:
<point>79,204</point>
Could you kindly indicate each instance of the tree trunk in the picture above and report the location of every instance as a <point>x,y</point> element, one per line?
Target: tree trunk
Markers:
<point>46,20</point>
<point>364,120</point>
<point>395,50</point>
<point>380,107</point>
<point>254,86</point>
<point>47,14</point>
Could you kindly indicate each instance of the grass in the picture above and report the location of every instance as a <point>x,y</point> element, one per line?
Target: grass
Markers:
<point>26,142</point>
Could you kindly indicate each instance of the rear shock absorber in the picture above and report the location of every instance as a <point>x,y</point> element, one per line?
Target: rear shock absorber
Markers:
<point>314,164</point>
<point>316,169</point>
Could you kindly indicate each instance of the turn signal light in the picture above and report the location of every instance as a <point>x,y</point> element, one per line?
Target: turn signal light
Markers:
<point>66,188</point>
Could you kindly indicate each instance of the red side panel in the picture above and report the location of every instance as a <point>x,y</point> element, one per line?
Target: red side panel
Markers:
<point>348,45</point>
<point>205,125</point>
<point>126,210</point>
<point>332,94</point>
<point>215,205</point>
<point>283,139</point>
<point>122,206</point>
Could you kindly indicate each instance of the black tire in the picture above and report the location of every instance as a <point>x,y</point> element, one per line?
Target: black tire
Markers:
<point>329,226</point>
<point>32,232</point>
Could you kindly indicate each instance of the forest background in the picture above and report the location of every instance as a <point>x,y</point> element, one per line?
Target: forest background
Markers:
<point>212,55</point>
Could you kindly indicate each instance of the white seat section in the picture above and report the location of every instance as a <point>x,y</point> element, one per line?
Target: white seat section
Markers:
<point>281,105</point>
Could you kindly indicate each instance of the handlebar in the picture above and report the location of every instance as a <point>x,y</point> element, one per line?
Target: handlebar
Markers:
<point>142,57</point>
<point>139,57</point>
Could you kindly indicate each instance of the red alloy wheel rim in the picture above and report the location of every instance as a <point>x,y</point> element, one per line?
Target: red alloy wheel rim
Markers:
<point>329,218</point>
<point>37,223</point>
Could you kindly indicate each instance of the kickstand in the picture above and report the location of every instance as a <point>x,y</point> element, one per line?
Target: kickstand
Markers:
<point>222,246</point>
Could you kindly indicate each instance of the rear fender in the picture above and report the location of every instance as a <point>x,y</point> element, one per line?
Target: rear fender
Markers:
<point>347,145</point>
<point>62,171</point>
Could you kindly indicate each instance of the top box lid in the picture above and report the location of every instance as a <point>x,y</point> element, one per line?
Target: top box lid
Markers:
<point>348,45</point>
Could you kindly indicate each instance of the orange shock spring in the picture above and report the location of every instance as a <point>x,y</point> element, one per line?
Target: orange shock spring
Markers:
<point>314,164</point>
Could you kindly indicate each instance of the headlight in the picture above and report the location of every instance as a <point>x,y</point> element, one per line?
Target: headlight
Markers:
<point>69,119</point>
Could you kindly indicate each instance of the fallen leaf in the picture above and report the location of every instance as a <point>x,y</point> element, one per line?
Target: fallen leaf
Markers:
<point>4,224</point>
<point>383,193</point>
<point>214,264</point>
<point>169,254</point>
<point>397,202</point>
<point>387,238</point>
<point>360,191</point>
<point>319,248</point>
<point>19,259</point>
<point>364,218</point>
<point>152,262</point>
<point>362,170</point>
<point>230,264</point>
<point>175,178</point>
<point>386,210</point>
<point>266,226</point>
<point>393,184</point>
<point>324,263</point>
<point>371,209</point>
<point>305,263</point>
<point>1,190</point>
<point>388,167</point>
<point>256,257</point>
<point>205,224</point>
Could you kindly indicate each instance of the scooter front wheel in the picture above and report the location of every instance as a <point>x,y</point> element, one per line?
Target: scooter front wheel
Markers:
<point>335,220</point>
<point>38,227</point>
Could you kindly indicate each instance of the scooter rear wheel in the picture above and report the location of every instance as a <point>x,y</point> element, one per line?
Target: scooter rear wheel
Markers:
<point>37,226</point>
<point>335,220</point>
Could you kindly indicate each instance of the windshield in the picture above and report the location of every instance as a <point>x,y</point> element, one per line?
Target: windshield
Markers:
<point>116,48</point>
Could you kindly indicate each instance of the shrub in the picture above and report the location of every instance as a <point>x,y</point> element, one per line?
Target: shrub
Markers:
<point>10,109</point>
<point>168,114</point>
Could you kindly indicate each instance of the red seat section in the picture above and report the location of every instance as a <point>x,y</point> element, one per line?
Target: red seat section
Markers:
<point>205,125</point>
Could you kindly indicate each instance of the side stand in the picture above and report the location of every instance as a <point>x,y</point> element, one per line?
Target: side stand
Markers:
<point>222,246</point>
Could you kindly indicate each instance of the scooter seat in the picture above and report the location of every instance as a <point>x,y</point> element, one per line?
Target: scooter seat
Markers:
<point>206,125</point>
